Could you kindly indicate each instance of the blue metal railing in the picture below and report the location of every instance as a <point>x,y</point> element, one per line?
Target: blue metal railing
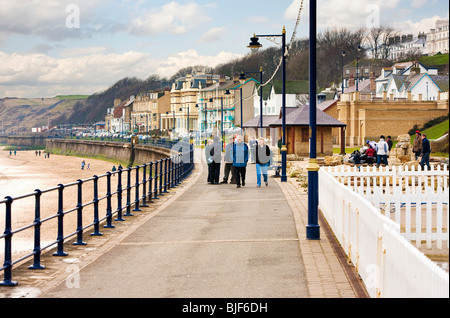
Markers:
<point>161,176</point>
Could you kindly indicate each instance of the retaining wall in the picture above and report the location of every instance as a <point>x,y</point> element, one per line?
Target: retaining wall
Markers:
<point>125,152</point>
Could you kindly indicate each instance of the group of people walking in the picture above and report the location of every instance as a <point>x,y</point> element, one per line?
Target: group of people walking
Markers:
<point>236,157</point>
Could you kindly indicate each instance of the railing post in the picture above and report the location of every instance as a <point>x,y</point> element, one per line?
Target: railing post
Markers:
<point>80,215</point>
<point>37,231</point>
<point>119,197</point>
<point>160,177</point>
<point>144,186</point>
<point>108,224</point>
<point>165,174</point>
<point>60,238</point>
<point>136,191</point>
<point>150,182</point>
<point>171,183</point>
<point>95,200</point>
<point>156,180</point>
<point>8,254</point>
<point>128,213</point>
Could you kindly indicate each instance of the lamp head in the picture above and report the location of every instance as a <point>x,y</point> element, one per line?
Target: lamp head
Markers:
<point>343,53</point>
<point>242,78</point>
<point>254,44</point>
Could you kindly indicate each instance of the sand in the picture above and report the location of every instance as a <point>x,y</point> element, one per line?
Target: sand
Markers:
<point>24,172</point>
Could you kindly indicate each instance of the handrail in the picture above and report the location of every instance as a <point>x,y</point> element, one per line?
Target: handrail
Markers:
<point>167,173</point>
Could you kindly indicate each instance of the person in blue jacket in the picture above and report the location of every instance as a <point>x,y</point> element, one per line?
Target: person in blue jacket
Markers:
<point>240,159</point>
<point>425,152</point>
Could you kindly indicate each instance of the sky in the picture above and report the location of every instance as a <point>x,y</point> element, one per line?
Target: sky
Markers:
<point>60,47</point>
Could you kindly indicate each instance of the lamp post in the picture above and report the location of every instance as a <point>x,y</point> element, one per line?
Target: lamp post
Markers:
<point>255,46</point>
<point>313,228</point>
<point>242,78</point>
<point>206,120</point>
<point>357,66</point>
<point>188,128</point>
<point>342,63</point>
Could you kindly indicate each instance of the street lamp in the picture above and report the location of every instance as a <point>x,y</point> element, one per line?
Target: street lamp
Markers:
<point>357,66</point>
<point>255,46</point>
<point>313,228</point>
<point>188,130</point>
<point>242,77</point>
<point>342,63</point>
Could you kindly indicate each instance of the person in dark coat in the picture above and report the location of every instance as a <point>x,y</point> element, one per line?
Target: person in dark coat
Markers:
<point>216,154</point>
<point>425,152</point>
<point>240,159</point>
<point>262,160</point>
<point>209,161</point>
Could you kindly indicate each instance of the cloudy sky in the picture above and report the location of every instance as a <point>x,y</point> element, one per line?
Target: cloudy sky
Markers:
<point>52,47</point>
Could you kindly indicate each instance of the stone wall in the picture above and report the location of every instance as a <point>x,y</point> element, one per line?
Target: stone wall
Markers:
<point>124,152</point>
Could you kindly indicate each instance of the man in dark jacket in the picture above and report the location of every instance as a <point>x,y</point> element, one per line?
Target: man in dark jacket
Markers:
<point>425,153</point>
<point>240,159</point>
<point>228,159</point>
<point>216,154</point>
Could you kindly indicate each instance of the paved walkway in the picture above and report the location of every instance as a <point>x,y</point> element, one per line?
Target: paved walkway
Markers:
<point>203,241</point>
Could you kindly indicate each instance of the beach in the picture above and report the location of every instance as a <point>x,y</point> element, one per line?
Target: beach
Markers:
<point>25,172</point>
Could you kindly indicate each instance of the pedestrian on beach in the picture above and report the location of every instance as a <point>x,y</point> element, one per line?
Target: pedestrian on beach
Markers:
<point>39,153</point>
<point>10,153</point>
<point>15,152</point>
<point>113,170</point>
<point>382,151</point>
<point>48,154</point>
<point>252,145</point>
<point>240,159</point>
<point>82,165</point>
<point>417,146</point>
<point>262,159</point>
<point>425,152</point>
<point>88,166</point>
<point>228,160</point>
<point>36,153</point>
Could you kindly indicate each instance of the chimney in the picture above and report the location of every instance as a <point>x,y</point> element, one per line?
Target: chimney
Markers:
<point>351,81</point>
<point>373,85</point>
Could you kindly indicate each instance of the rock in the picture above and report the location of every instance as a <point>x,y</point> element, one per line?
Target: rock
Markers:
<point>333,160</point>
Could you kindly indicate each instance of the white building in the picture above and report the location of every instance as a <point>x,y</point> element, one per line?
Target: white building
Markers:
<point>437,38</point>
<point>411,81</point>
<point>408,49</point>
<point>296,95</point>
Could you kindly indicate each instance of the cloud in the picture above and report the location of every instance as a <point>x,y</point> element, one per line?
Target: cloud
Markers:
<point>410,27</point>
<point>213,35</point>
<point>191,57</point>
<point>40,75</point>
<point>345,13</point>
<point>173,18</point>
<point>53,19</point>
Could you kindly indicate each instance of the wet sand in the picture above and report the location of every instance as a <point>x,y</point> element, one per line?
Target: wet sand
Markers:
<point>24,172</point>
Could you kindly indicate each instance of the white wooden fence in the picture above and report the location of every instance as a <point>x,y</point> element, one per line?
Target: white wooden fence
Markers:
<point>389,265</point>
<point>418,200</point>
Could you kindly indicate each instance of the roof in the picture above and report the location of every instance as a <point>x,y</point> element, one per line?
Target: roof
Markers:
<point>326,104</point>
<point>299,116</point>
<point>255,123</point>
<point>292,87</point>
<point>362,86</point>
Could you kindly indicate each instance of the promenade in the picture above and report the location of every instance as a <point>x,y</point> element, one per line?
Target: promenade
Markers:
<point>202,241</point>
